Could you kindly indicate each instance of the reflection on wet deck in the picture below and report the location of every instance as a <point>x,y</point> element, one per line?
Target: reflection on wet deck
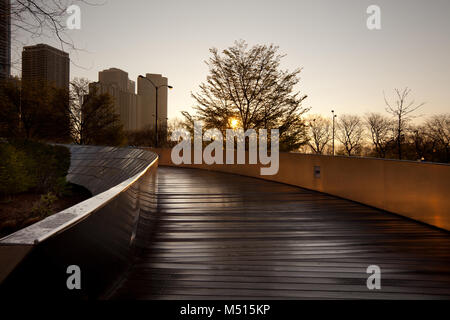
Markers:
<point>220,236</point>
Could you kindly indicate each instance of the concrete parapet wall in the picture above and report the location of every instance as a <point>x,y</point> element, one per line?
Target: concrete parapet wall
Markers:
<point>420,191</point>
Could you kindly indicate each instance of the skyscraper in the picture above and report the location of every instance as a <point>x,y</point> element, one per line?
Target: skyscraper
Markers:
<point>136,111</point>
<point>5,39</point>
<point>43,63</point>
<point>147,95</point>
<point>115,82</point>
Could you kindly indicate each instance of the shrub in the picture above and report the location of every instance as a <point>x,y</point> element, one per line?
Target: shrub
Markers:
<point>14,177</point>
<point>44,207</point>
<point>26,165</point>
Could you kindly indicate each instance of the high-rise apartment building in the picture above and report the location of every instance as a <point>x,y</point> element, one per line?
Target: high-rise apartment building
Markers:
<point>115,82</point>
<point>137,111</point>
<point>147,92</point>
<point>117,77</point>
<point>5,39</point>
<point>43,63</point>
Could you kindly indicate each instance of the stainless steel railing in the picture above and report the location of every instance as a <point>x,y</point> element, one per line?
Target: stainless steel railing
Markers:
<point>98,235</point>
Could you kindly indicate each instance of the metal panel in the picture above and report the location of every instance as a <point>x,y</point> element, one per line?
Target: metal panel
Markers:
<point>98,235</point>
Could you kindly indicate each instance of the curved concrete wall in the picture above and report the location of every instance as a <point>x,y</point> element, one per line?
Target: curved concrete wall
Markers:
<point>98,235</point>
<point>419,191</point>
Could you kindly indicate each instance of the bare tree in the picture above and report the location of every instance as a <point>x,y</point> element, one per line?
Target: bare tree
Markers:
<point>350,131</point>
<point>93,116</point>
<point>31,19</point>
<point>79,90</point>
<point>248,85</point>
<point>421,142</point>
<point>43,18</point>
<point>438,128</point>
<point>38,112</point>
<point>380,128</point>
<point>402,110</point>
<point>319,132</point>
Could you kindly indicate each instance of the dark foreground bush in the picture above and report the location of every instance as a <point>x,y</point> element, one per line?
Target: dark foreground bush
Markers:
<point>27,165</point>
<point>14,177</point>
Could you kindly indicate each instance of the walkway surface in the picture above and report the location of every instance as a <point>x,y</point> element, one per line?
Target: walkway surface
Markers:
<point>221,236</point>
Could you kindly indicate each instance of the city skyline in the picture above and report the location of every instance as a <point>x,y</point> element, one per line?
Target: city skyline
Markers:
<point>346,67</point>
<point>136,109</point>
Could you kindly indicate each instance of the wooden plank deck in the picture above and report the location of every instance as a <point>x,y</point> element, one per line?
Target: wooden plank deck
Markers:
<point>220,236</point>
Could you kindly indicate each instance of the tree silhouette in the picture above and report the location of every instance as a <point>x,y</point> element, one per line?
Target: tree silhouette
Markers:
<point>402,110</point>
<point>350,132</point>
<point>247,84</point>
<point>320,133</point>
<point>93,116</point>
<point>380,128</point>
<point>438,129</point>
<point>43,18</point>
<point>39,112</point>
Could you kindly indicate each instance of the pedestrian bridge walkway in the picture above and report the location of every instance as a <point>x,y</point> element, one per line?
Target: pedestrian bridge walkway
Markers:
<point>224,236</point>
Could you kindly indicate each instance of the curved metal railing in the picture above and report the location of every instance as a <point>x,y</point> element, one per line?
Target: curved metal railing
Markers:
<point>97,235</point>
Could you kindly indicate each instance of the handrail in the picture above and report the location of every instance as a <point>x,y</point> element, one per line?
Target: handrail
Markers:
<point>67,218</point>
<point>101,230</point>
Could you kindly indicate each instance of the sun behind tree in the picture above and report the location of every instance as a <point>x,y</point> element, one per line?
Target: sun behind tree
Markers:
<point>248,85</point>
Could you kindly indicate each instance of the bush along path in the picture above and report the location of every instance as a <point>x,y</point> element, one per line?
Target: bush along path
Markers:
<point>33,183</point>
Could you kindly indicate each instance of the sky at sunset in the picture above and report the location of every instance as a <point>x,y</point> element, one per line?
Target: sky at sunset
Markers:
<point>346,66</point>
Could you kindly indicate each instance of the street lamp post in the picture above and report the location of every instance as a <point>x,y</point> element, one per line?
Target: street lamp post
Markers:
<point>156,105</point>
<point>334,118</point>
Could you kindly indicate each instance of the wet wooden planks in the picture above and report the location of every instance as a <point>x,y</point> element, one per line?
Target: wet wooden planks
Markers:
<point>220,236</point>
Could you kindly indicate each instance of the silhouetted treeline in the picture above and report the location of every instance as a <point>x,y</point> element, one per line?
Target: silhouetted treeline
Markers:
<point>376,135</point>
<point>43,112</point>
